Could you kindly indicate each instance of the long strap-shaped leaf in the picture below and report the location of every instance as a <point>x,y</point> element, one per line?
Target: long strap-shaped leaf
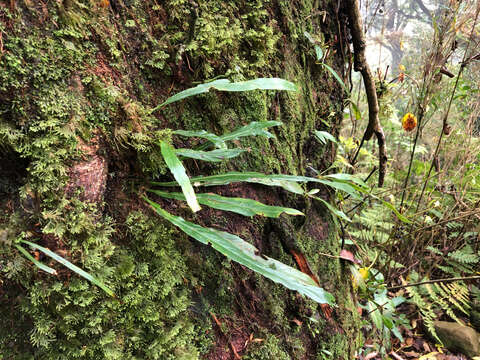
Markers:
<point>180,175</point>
<point>37,263</point>
<point>215,139</point>
<point>242,252</point>
<point>252,129</point>
<point>288,182</point>
<point>284,181</point>
<point>69,265</point>
<point>255,128</point>
<point>246,207</point>
<point>226,85</point>
<point>216,155</point>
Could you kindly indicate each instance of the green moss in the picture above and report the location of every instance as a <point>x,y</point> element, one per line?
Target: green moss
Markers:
<point>269,348</point>
<point>211,34</point>
<point>147,319</point>
<point>90,72</point>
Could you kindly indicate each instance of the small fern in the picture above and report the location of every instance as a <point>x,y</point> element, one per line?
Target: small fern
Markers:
<point>371,230</point>
<point>464,255</point>
<point>425,308</point>
<point>441,298</point>
<point>432,299</point>
<point>458,262</point>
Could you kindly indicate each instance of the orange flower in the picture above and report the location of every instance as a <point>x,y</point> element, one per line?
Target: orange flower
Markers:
<point>409,122</point>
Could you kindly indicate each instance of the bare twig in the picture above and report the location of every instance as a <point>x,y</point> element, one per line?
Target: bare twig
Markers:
<point>360,64</point>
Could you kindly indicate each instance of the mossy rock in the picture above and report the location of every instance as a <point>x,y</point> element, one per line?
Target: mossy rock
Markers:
<point>458,337</point>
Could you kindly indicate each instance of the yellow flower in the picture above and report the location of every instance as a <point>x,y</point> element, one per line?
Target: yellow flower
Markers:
<point>364,275</point>
<point>409,122</point>
<point>364,272</point>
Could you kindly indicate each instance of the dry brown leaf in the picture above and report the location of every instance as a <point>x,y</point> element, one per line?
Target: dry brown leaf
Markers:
<point>296,321</point>
<point>409,341</point>
<point>302,263</point>
<point>372,355</point>
<point>396,356</point>
<point>347,255</point>
<point>411,354</point>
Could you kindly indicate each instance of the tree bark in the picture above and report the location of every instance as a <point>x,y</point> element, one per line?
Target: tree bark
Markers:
<point>79,146</point>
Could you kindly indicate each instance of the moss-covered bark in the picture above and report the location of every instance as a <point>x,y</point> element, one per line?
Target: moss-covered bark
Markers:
<point>77,143</point>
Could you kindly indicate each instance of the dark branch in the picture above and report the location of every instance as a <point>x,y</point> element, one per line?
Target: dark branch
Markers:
<point>360,64</point>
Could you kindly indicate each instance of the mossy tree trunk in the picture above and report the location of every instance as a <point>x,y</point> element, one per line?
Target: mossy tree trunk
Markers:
<point>78,145</point>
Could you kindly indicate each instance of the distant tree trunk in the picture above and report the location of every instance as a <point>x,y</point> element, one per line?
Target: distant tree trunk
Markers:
<point>78,145</point>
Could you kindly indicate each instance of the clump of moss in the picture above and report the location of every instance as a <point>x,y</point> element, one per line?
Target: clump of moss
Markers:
<point>269,348</point>
<point>212,36</point>
<point>147,319</point>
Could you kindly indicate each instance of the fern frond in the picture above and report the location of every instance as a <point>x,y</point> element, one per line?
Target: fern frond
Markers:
<point>434,250</point>
<point>464,255</point>
<point>440,300</point>
<point>453,291</point>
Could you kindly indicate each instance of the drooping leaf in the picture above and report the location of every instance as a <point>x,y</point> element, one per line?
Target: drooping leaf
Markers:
<point>37,263</point>
<point>255,128</point>
<point>180,175</point>
<point>257,84</point>
<point>69,265</point>
<point>226,85</point>
<point>396,212</point>
<point>347,178</point>
<point>252,129</point>
<point>215,139</point>
<point>375,314</point>
<point>318,49</point>
<point>246,207</point>
<point>199,89</point>
<point>212,156</point>
<point>323,136</point>
<point>389,205</point>
<point>387,321</point>
<point>395,331</point>
<point>338,213</point>
<point>237,249</point>
<point>337,77</point>
<point>350,188</point>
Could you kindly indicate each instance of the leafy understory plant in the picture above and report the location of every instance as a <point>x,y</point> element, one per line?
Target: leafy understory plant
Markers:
<point>216,149</point>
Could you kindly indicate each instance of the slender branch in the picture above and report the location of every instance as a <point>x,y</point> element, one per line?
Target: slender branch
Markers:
<point>434,281</point>
<point>360,64</point>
